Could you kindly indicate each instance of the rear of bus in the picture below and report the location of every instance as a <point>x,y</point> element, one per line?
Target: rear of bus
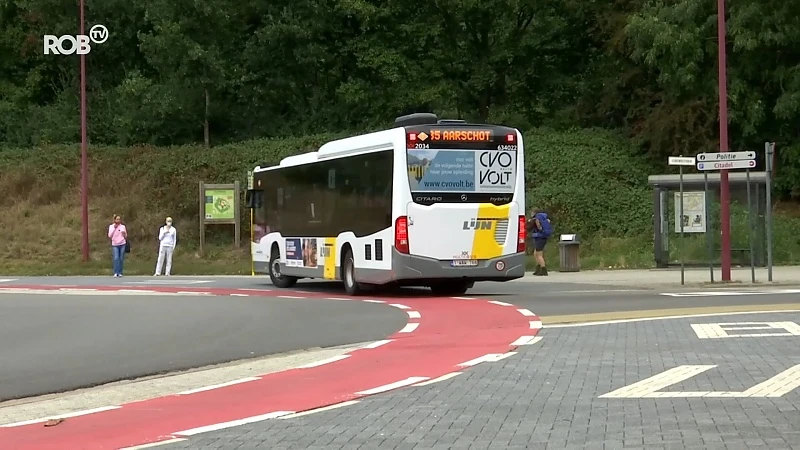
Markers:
<point>464,205</point>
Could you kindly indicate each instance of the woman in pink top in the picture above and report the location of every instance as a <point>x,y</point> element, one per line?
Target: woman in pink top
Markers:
<point>118,234</point>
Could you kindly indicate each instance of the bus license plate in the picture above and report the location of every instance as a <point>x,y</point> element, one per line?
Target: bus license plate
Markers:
<point>464,262</point>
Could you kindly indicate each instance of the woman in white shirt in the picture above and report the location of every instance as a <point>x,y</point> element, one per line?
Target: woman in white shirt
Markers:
<point>167,237</point>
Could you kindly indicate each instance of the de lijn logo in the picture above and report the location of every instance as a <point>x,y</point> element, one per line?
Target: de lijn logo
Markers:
<point>80,44</point>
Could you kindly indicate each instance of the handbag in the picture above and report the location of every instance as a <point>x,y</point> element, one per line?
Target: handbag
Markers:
<point>127,246</point>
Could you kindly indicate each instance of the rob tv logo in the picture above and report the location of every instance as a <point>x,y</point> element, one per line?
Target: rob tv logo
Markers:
<point>80,44</point>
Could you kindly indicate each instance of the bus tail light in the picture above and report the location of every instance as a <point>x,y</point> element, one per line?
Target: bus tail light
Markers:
<point>401,234</point>
<point>521,235</point>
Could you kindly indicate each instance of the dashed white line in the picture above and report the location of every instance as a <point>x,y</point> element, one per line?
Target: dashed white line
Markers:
<point>257,290</point>
<point>388,387</point>
<point>464,298</point>
<point>497,302</point>
<point>217,386</point>
<point>335,298</point>
<point>155,444</point>
<point>491,357</point>
<point>60,416</point>
<point>233,423</point>
<point>6,280</point>
<point>324,408</point>
<point>289,296</point>
<point>78,289</point>
<point>441,378</point>
<point>240,295</point>
<point>192,293</point>
<point>374,301</point>
<point>526,312</point>
<point>409,327</point>
<point>535,324</point>
<point>413,314</point>
<point>324,361</point>
<point>377,344</point>
<point>136,291</point>
<point>527,340</point>
<point>397,305</point>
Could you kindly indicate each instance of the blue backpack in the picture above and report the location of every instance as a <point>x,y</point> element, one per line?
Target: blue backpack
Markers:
<point>547,227</point>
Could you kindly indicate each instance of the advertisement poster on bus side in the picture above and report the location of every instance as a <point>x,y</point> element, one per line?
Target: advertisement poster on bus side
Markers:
<point>462,170</point>
<point>301,252</point>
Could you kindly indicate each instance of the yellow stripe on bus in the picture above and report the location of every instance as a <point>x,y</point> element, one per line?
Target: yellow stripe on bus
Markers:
<point>330,259</point>
<point>484,245</point>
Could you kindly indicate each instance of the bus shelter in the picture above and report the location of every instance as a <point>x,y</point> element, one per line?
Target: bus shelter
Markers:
<point>701,219</point>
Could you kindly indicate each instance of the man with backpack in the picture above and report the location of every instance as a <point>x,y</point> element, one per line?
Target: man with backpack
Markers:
<point>540,228</point>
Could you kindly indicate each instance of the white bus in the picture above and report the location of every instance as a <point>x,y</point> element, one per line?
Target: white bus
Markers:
<point>437,203</point>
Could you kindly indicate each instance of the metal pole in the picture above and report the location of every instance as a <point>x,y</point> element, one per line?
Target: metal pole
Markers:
<point>709,235</point>
<point>768,159</point>
<point>84,157</point>
<point>750,230</point>
<point>724,193</point>
<point>683,279</point>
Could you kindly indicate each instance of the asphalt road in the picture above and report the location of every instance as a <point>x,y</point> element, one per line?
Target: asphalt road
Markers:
<point>56,343</point>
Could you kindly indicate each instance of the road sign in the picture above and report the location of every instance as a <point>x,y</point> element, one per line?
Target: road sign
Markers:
<point>681,161</point>
<point>727,156</point>
<point>727,165</point>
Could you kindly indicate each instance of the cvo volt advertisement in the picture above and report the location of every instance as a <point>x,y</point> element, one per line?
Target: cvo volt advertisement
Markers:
<point>490,171</point>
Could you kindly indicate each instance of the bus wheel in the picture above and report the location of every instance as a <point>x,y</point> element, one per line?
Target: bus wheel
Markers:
<point>351,286</point>
<point>451,288</point>
<point>279,280</point>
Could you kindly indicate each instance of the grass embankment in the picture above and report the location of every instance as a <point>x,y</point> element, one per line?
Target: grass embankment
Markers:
<point>591,182</point>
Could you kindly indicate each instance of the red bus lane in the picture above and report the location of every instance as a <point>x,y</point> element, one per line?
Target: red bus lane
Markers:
<point>443,335</point>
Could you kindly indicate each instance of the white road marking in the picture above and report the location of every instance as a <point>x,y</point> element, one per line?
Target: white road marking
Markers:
<point>233,423</point>
<point>409,327</point>
<point>239,295</point>
<point>324,408</point>
<point>658,382</point>
<point>496,302</point>
<point>598,291</point>
<point>289,296</point>
<point>683,316</point>
<point>413,314</point>
<point>464,298</point>
<point>337,298</point>
<point>377,344</point>
<point>324,361</point>
<point>82,289</point>
<point>6,280</point>
<point>395,385</point>
<point>527,340</point>
<point>170,281</point>
<point>777,386</point>
<point>491,357</point>
<point>535,324</point>
<point>526,312</point>
<point>397,305</point>
<point>720,330</point>
<point>730,293</point>
<point>155,444</point>
<point>193,293</point>
<point>441,378</point>
<point>217,386</point>
<point>374,301</point>
<point>135,291</point>
<point>60,416</point>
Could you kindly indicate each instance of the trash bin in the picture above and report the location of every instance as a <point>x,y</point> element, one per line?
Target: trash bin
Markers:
<point>569,253</point>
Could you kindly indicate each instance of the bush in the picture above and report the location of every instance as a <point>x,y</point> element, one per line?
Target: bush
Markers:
<point>590,181</point>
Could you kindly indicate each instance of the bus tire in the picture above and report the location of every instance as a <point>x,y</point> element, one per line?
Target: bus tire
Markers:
<point>351,286</point>
<point>279,280</point>
<point>449,288</point>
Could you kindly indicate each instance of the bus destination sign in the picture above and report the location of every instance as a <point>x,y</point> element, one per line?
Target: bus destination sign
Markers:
<point>450,135</point>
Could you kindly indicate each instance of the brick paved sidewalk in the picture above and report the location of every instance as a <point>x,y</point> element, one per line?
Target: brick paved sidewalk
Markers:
<point>548,396</point>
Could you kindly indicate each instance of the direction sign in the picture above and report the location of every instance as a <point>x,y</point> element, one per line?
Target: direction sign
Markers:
<point>727,156</point>
<point>681,161</point>
<point>726,165</point>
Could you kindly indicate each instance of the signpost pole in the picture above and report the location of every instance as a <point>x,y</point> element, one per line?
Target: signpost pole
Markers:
<point>724,193</point>
<point>683,279</point>
<point>768,159</point>
<point>709,235</point>
<point>750,230</point>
